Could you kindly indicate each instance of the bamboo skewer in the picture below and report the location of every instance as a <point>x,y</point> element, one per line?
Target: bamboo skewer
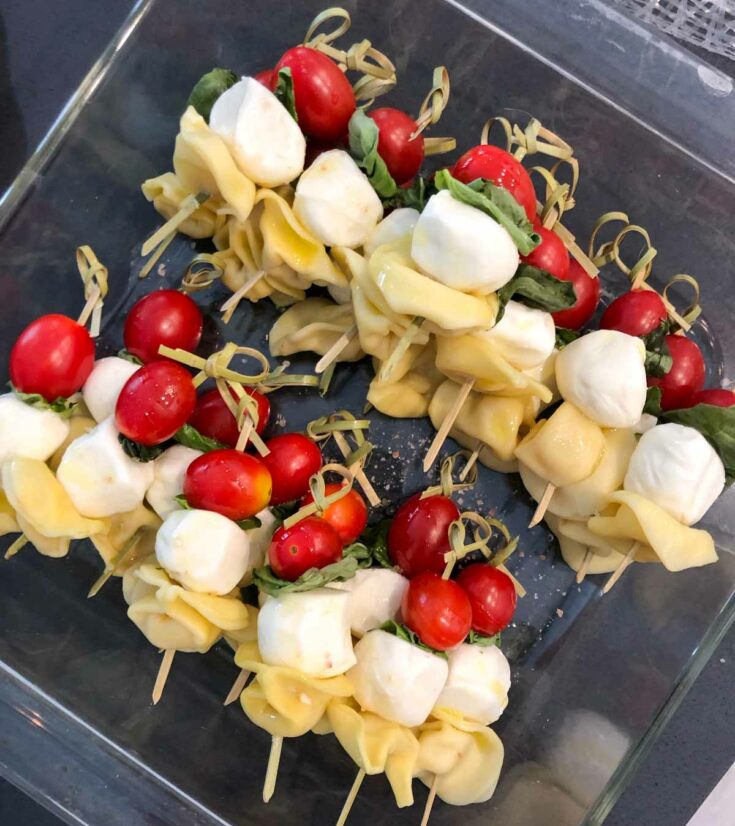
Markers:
<point>237,687</point>
<point>543,505</point>
<point>331,355</point>
<point>356,470</point>
<point>271,773</point>
<point>448,421</point>
<point>471,461</point>
<point>349,802</point>
<point>229,307</point>
<point>430,802</point>
<point>18,545</point>
<point>627,560</point>
<point>582,572</point>
<point>163,671</point>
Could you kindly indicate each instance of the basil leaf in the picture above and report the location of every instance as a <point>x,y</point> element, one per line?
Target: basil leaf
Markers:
<point>182,502</point>
<point>565,336</point>
<point>250,523</point>
<point>653,401</point>
<point>65,408</point>
<point>282,512</point>
<point>716,424</point>
<point>363,135</point>
<point>473,638</point>
<point>658,358</point>
<point>407,635</point>
<point>190,437</point>
<point>284,92</point>
<point>538,289</point>
<point>414,196</point>
<point>496,202</point>
<point>354,557</point>
<point>124,354</point>
<point>376,539</point>
<point>139,452</point>
<point>208,88</point>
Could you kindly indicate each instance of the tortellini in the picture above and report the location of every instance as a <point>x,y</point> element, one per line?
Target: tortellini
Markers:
<point>409,390</point>
<point>122,527</point>
<point>575,540</point>
<point>166,193</point>
<point>8,521</point>
<point>314,325</point>
<point>172,618</point>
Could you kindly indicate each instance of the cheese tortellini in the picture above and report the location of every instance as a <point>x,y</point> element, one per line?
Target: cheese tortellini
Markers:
<point>314,325</point>
<point>167,194</point>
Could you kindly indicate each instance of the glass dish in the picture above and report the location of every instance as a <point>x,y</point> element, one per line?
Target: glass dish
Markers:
<point>594,679</point>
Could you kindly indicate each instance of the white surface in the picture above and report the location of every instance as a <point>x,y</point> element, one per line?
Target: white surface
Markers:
<point>719,808</point>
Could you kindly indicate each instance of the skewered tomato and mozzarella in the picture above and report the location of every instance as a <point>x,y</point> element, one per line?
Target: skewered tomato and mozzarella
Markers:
<point>29,431</point>
<point>477,685</point>
<point>103,386</point>
<point>524,336</point>
<point>169,470</point>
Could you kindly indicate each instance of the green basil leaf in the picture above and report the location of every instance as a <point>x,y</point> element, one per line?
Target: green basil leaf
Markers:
<point>414,196</point>
<point>284,92</point>
<point>716,424</point>
<point>407,635</point>
<point>124,354</point>
<point>565,336</point>
<point>282,512</point>
<point>208,88</point>
<point>182,502</point>
<point>538,289</point>
<point>363,135</point>
<point>658,358</point>
<point>376,539</point>
<point>473,638</point>
<point>653,401</point>
<point>496,202</point>
<point>65,408</point>
<point>250,523</point>
<point>139,452</point>
<point>190,437</point>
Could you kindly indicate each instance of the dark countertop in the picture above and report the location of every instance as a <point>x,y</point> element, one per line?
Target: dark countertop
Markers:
<point>43,57</point>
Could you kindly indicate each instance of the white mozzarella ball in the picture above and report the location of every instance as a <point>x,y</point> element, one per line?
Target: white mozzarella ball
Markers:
<point>398,224</point>
<point>203,550</point>
<point>264,140</point>
<point>603,374</point>
<point>397,680</point>
<point>375,598</point>
<point>104,384</point>
<point>260,538</point>
<point>525,337</point>
<point>336,201</point>
<point>27,431</point>
<point>678,469</point>
<point>308,631</point>
<point>478,683</point>
<point>169,470</point>
<point>462,247</point>
<point>100,478</point>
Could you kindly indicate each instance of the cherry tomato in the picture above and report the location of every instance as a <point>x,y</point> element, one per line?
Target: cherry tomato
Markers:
<point>402,155</point>
<point>419,534</point>
<point>587,291</point>
<point>229,482</point>
<point>500,167</point>
<point>324,98</point>
<point>268,78</point>
<point>164,317</point>
<point>212,417</point>
<point>637,313</point>
<point>310,543</point>
<point>52,357</point>
<point>717,396</point>
<point>436,609</point>
<point>686,376</point>
<point>492,596</point>
<point>550,255</point>
<point>348,515</point>
<point>155,402</point>
<point>292,461</point>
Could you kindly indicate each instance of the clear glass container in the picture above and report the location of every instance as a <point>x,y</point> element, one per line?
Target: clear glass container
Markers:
<point>594,678</point>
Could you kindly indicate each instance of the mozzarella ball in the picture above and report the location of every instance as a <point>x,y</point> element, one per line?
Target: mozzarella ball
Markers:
<point>678,469</point>
<point>307,631</point>
<point>336,201</point>
<point>375,598</point>
<point>104,384</point>
<point>169,470</point>
<point>27,431</point>
<point>100,478</point>
<point>478,683</point>
<point>260,538</point>
<point>462,247</point>
<point>524,337</point>
<point>264,140</point>
<point>602,374</point>
<point>203,550</point>
<point>397,680</point>
<point>398,224</point>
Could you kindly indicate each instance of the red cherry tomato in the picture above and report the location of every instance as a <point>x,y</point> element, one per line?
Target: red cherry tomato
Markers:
<point>229,482</point>
<point>716,396</point>
<point>155,402</point>
<point>419,534</point>
<point>323,95</point>
<point>550,255</point>
<point>268,78</point>
<point>310,543</point>
<point>637,313</point>
<point>587,291</point>
<point>164,317</point>
<point>292,461</point>
<point>492,596</point>
<point>212,417</point>
<point>500,167</point>
<point>53,357</point>
<point>402,155</point>
<point>686,376</point>
<point>436,609</point>
<point>348,515</point>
